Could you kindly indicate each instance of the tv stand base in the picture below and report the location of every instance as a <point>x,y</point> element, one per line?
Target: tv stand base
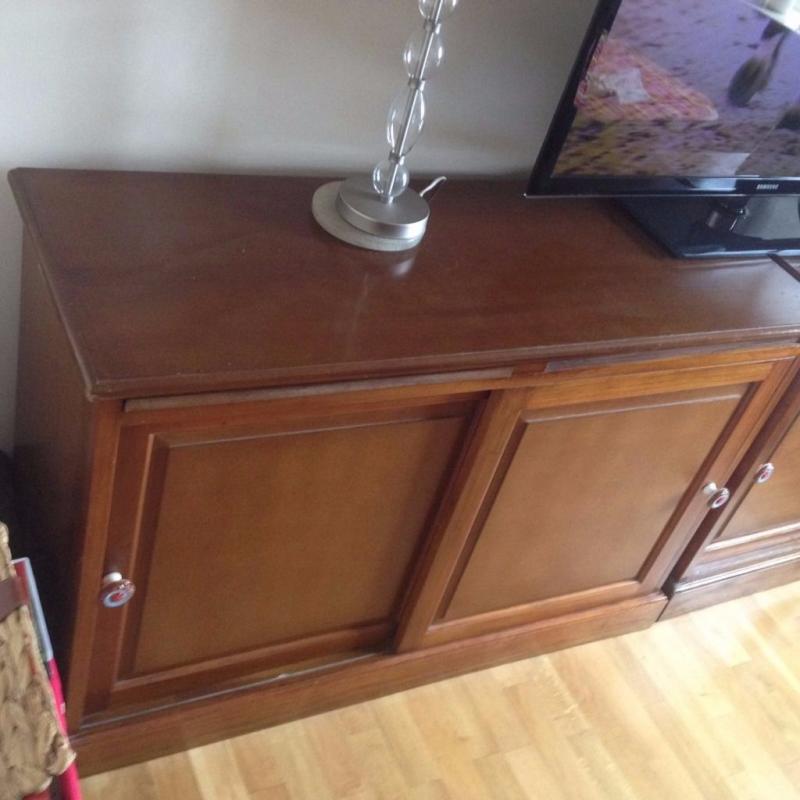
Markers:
<point>710,227</point>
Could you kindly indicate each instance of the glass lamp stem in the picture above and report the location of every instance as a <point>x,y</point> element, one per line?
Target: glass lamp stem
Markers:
<point>417,84</point>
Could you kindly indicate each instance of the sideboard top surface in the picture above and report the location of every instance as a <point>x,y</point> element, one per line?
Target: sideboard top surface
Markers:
<point>171,283</point>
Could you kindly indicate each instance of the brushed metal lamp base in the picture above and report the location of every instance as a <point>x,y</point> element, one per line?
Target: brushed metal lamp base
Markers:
<point>352,211</point>
<point>382,213</point>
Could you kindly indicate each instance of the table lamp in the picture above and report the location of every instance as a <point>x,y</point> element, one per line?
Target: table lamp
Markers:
<point>381,212</point>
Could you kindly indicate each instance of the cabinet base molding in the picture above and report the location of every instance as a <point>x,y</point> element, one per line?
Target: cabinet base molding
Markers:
<point>118,742</point>
<point>693,595</point>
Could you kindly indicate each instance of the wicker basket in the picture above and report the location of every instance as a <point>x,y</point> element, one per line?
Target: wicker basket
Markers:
<point>32,747</point>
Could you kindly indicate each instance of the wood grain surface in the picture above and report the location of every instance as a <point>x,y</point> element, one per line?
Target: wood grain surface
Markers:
<point>754,544</point>
<point>583,502</point>
<point>214,393</point>
<point>775,503</point>
<point>703,707</point>
<point>291,539</point>
<point>172,283</point>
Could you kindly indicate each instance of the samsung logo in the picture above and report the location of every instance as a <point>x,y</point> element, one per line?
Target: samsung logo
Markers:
<point>767,187</point>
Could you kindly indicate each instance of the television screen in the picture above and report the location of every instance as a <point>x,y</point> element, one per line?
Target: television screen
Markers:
<point>706,88</point>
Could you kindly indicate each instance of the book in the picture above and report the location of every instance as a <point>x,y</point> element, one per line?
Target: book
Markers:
<point>67,785</point>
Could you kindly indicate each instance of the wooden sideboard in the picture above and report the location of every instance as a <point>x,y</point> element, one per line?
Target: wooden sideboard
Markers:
<point>333,474</point>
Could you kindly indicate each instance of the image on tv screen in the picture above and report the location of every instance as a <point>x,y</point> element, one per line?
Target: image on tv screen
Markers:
<point>691,87</point>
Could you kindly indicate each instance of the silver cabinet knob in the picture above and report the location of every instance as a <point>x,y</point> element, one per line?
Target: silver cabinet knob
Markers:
<point>116,591</point>
<point>765,472</point>
<point>716,497</point>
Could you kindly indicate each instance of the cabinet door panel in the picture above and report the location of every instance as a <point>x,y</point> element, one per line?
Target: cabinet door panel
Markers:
<point>754,542</point>
<point>263,545</point>
<point>287,535</point>
<point>586,497</point>
<point>775,504</point>
<point>581,493</point>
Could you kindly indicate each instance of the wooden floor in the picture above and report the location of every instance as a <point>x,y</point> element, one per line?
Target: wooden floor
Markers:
<point>703,707</point>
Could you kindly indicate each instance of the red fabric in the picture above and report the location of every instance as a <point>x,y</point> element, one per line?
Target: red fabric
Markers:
<point>68,782</point>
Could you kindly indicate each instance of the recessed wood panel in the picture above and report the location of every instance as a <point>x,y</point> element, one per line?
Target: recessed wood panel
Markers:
<point>586,497</point>
<point>277,538</point>
<point>774,504</point>
<point>249,541</point>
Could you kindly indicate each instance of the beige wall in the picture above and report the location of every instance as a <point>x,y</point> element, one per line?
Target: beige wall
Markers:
<point>261,86</point>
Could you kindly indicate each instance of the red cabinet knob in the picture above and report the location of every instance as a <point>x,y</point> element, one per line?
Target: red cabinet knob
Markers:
<point>765,472</point>
<point>716,497</point>
<point>116,591</point>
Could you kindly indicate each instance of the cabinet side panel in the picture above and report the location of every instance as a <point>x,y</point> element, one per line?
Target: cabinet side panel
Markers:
<point>50,451</point>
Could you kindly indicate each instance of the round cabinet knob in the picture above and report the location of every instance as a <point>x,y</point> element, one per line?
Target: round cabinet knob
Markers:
<point>765,472</point>
<point>116,591</point>
<point>716,497</point>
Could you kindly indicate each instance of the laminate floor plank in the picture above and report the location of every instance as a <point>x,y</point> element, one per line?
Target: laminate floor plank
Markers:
<point>380,770</point>
<point>174,776</point>
<point>217,772</point>
<point>403,737</point>
<point>701,707</point>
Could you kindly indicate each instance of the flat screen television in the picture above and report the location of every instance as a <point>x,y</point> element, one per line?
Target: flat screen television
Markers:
<point>689,112</point>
